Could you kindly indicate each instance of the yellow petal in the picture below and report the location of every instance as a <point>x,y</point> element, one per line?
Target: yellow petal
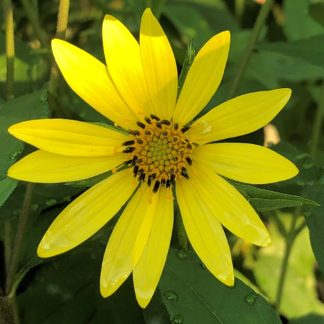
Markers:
<point>44,167</point>
<point>159,66</point>
<point>205,233</point>
<point>245,162</point>
<point>203,78</point>
<point>127,241</point>
<point>123,59</point>
<point>88,78</point>
<point>239,116</point>
<point>69,137</point>
<point>149,268</point>
<point>87,214</point>
<point>227,205</point>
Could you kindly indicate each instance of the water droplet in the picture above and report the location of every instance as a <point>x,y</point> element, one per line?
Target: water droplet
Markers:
<point>171,296</point>
<point>178,319</point>
<point>251,298</point>
<point>50,202</point>
<point>182,254</point>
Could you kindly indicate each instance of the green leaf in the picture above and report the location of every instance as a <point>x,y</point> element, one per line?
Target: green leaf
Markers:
<point>316,11</point>
<point>299,294</point>
<point>31,68</point>
<point>308,319</point>
<point>66,290</point>
<point>309,50</point>
<point>298,23</point>
<point>315,223</point>
<point>266,200</point>
<point>31,106</point>
<point>192,295</point>
<point>7,186</point>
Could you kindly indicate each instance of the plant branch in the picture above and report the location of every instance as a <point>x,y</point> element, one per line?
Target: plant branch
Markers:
<point>10,48</point>
<point>317,128</point>
<point>260,21</point>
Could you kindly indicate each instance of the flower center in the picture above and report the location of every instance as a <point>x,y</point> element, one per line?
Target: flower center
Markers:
<point>160,152</point>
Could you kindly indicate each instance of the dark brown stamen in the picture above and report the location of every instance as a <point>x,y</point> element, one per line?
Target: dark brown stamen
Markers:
<point>188,159</point>
<point>155,117</point>
<point>127,143</point>
<point>156,186</point>
<point>140,124</point>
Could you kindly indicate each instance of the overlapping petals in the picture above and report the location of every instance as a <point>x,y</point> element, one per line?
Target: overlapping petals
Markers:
<point>88,78</point>
<point>87,214</point>
<point>140,79</point>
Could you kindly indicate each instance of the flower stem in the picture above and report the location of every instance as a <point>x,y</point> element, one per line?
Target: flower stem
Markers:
<point>10,48</point>
<point>318,123</point>
<point>12,269</point>
<point>32,15</point>
<point>289,242</point>
<point>62,21</point>
<point>260,21</point>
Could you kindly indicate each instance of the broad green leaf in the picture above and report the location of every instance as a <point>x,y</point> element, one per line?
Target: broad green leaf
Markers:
<point>299,24</point>
<point>309,50</point>
<point>316,11</point>
<point>192,295</point>
<point>265,200</point>
<point>308,319</point>
<point>299,294</point>
<point>66,290</point>
<point>31,106</point>
<point>31,68</point>
<point>7,186</point>
<point>199,20</point>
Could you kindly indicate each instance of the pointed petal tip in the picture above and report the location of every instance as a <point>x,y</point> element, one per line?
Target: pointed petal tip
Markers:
<point>142,302</point>
<point>227,278</point>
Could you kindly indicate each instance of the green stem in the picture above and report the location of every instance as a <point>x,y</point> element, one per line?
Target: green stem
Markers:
<point>62,21</point>
<point>239,9</point>
<point>32,15</point>
<point>290,239</point>
<point>10,48</point>
<point>12,269</point>
<point>260,21</point>
<point>317,123</point>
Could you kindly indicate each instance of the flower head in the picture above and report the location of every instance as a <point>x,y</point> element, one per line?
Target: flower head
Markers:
<point>158,154</point>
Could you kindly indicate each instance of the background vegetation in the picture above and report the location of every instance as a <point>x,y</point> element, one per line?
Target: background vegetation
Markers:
<point>274,44</point>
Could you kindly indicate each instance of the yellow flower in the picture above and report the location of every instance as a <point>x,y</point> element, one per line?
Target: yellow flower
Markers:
<point>155,150</point>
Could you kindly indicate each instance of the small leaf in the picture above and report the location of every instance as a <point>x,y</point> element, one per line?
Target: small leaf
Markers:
<point>31,106</point>
<point>306,49</point>
<point>192,295</point>
<point>7,186</point>
<point>267,200</point>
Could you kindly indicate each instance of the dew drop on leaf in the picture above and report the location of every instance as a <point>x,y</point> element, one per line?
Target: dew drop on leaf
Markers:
<point>182,254</point>
<point>251,298</point>
<point>171,296</point>
<point>178,319</point>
